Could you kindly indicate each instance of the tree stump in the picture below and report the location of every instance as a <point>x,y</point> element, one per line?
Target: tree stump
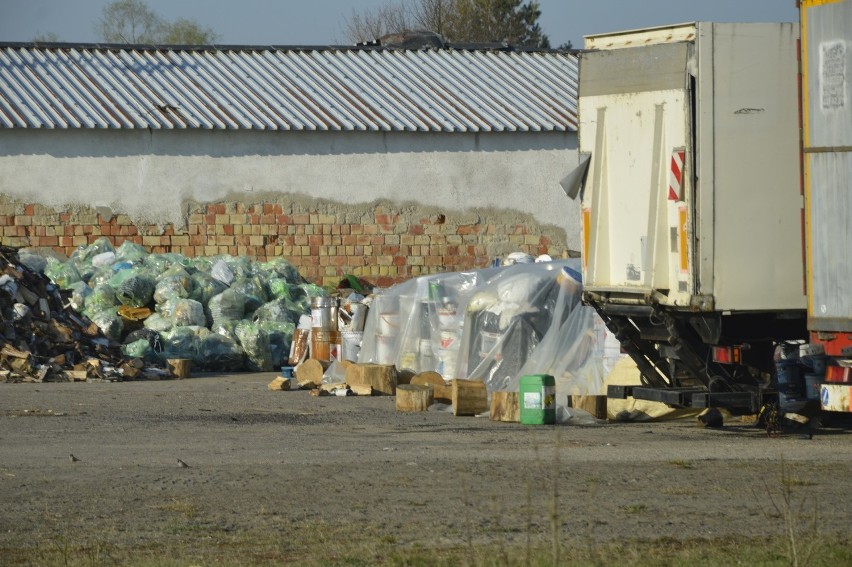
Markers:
<point>469,397</point>
<point>382,377</point>
<point>505,407</point>
<point>310,372</point>
<point>413,397</point>
<point>441,392</point>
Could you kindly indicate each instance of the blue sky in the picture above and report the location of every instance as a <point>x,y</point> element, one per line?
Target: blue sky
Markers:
<point>322,22</point>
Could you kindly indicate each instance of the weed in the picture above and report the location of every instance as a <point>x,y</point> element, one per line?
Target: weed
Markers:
<point>635,508</point>
<point>798,514</point>
<point>681,464</point>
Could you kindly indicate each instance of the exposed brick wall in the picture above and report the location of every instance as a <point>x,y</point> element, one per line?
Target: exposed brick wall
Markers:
<point>382,243</point>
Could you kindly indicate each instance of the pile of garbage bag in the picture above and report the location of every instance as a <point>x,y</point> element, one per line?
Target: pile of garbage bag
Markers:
<point>225,313</point>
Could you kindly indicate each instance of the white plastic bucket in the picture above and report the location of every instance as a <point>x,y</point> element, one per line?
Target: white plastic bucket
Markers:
<point>389,323</point>
<point>385,349</point>
<point>352,344</point>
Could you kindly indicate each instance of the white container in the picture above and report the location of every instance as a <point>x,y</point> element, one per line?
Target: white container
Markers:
<point>385,349</point>
<point>388,324</point>
<point>352,344</point>
<point>447,363</point>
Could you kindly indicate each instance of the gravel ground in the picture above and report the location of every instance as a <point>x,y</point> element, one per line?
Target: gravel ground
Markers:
<point>278,462</point>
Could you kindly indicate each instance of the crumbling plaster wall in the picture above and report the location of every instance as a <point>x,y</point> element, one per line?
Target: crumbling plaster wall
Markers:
<point>169,183</point>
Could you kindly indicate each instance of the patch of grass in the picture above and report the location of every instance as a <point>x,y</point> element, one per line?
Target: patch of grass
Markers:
<point>681,464</point>
<point>262,550</point>
<point>636,508</point>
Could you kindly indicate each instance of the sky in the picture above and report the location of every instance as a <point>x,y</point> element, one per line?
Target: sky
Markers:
<point>323,22</point>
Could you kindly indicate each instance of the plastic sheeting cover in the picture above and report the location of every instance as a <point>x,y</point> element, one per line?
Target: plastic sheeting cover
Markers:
<point>494,325</point>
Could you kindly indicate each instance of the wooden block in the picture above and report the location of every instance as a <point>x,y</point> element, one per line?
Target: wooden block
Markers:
<point>469,397</point>
<point>332,387</point>
<point>505,406</point>
<point>595,405</point>
<point>442,393</point>
<point>76,375</point>
<point>279,384</point>
<point>413,397</point>
<point>361,389</point>
<point>179,367</point>
<point>311,370</point>
<point>382,377</point>
<point>129,371</point>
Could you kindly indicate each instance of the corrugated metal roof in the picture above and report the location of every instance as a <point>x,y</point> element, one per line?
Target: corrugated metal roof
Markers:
<point>225,88</point>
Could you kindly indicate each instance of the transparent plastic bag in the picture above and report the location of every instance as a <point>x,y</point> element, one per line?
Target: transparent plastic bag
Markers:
<point>136,291</point>
<point>280,335</point>
<point>279,310</point>
<point>253,290</point>
<point>131,252</point>
<point>189,313</point>
<point>228,305</point>
<point>158,322</point>
<point>109,322</point>
<point>255,343</point>
<point>101,297</point>
<point>205,287</point>
<point>62,274</point>
<point>172,287</point>
<point>220,353</point>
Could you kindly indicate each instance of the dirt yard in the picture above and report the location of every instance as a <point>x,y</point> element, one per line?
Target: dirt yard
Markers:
<point>303,467</point>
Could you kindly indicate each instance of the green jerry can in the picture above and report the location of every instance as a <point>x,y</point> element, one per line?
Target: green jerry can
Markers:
<point>538,399</point>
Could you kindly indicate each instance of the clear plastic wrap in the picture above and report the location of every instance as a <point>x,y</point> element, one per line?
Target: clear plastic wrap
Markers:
<point>493,325</point>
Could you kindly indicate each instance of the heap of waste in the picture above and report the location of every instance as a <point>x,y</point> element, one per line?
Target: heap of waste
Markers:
<point>224,313</point>
<point>41,339</point>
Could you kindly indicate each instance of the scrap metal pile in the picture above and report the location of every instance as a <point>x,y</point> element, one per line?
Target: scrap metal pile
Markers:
<point>131,309</point>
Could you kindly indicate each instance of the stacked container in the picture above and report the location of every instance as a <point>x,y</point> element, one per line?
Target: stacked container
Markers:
<point>325,338</point>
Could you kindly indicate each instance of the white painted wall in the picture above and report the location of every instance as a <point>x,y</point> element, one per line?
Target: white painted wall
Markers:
<point>148,174</point>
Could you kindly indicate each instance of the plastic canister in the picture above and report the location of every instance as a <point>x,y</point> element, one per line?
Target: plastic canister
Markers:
<point>324,313</point>
<point>538,399</point>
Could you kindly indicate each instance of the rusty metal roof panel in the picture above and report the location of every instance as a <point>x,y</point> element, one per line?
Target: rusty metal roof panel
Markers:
<point>268,88</point>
